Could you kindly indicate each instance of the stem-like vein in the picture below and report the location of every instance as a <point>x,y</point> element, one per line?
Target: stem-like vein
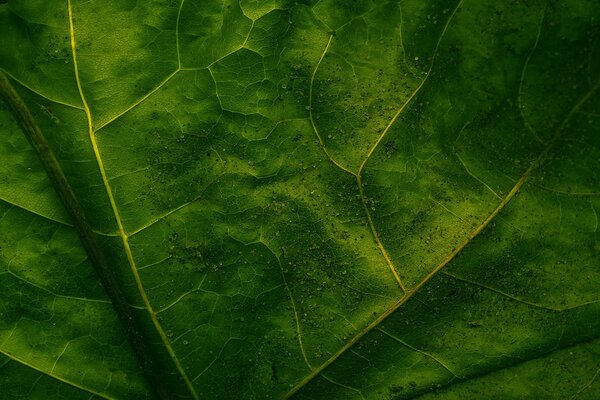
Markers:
<point>87,237</point>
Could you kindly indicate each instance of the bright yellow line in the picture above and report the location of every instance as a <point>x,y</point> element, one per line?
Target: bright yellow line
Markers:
<point>121,232</point>
<point>411,293</point>
<point>137,102</point>
<point>30,88</point>
<point>358,174</point>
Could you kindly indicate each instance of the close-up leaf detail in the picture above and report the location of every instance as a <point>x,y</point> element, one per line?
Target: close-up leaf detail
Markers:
<point>299,199</point>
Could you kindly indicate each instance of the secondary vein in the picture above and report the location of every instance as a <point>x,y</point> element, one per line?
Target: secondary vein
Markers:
<point>53,376</point>
<point>64,191</point>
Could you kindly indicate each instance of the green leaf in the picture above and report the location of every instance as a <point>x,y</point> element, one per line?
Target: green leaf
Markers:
<point>305,199</point>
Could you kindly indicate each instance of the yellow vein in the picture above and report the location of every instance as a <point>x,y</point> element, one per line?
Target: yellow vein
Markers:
<point>262,241</point>
<point>161,84</point>
<point>296,317</point>
<point>595,217</point>
<point>177,34</point>
<point>518,185</point>
<point>358,174</point>
<point>348,345</point>
<point>174,210</point>
<point>138,101</point>
<point>475,176</point>
<point>39,93</point>
<point>500,292</point>
<point>413,94</point>
<point>183,296</point>
<point>587,385</point>
<point>51,375</point>
<point>310,109</point>
<point>354,18</point>
<point>418,351</point>
<point>443,207</point>
<point>124,237</point>
<point>567,193</point>
<point>160,218</point>
<point>218,59</point>
<point>19,206</point>
<point>375,234</point>
<point>411,293</point>
<point>58,221</point>
<point>401,36</point>
<point>171,75</point>
<point>350,388</point>
<point>62,353</point>
<point>61,296</point>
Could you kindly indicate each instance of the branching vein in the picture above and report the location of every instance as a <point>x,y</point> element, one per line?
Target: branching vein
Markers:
<point>429,355</point>
<point>358,174</point>
<point>402,300</point>
<point>311,113</point>
<point>523,72</point>
<point>515,298</point>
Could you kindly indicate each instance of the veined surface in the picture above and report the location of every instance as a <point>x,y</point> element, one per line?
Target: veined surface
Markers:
<point>306,199</point>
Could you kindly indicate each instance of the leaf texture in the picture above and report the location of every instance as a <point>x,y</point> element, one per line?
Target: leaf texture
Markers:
<point>306,199</point>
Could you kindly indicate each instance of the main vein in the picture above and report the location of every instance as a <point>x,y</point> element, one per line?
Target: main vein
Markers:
<point>121,230</point>
<point>105,273</point>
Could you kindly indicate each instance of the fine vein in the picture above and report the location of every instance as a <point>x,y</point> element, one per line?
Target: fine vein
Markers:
<point>310,109</point>
<point>426,354</point>
<point>53,376</point>
<point>356,175</point>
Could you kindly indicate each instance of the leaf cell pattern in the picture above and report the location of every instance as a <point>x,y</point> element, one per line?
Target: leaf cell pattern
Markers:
<point>306,199</point>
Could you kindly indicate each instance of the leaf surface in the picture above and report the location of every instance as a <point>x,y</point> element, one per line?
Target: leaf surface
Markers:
<point>306,199</point>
